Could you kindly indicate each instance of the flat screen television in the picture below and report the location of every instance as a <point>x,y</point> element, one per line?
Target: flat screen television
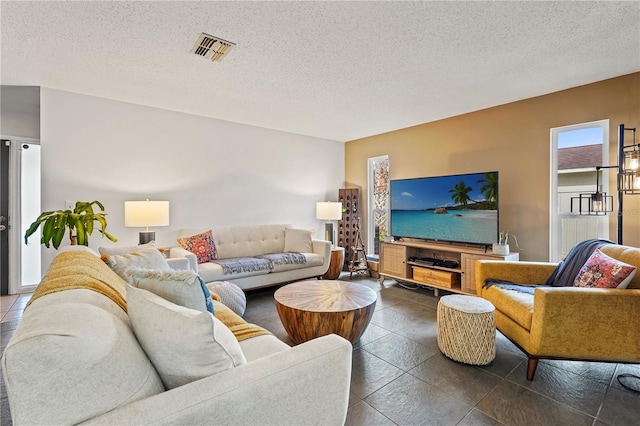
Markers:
<point>457,208</point>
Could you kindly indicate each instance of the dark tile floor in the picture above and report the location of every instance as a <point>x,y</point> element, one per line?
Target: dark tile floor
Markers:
<point>400,377</point>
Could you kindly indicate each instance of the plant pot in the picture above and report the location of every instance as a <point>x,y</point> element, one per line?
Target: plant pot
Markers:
<point>502,249</point>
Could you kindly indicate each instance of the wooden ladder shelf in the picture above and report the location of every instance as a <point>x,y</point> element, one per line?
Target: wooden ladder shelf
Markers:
<point>358,263</point>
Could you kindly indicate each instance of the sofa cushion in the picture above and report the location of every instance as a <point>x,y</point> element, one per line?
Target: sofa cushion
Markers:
<point>126,249</point>
<point>298,240</point>
<point>86,249</point>
<point>230,295</point>
<point>74,357</point>
<point>602,271</point>
<point>202,245</point>
<point>626,254</point>
<point>183,344</point>
<point>261,346</point>
<point>241,329</point>
<point>516,305</point>
<point>150,258</point>
<point>184,288</point>
<point>241,241</point>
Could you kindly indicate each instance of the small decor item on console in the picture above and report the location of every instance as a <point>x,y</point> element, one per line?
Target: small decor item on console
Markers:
<point>502,249</point>
<point>502,246</point>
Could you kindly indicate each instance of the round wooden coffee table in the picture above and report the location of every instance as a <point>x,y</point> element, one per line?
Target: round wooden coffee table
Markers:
<point>310,309</point>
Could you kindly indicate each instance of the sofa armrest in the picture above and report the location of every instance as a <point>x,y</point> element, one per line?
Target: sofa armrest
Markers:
<point>306,384</point>
<point>517,272</point>
<point>321,247</point>
<point>180,252</point>
<point>179,263</point>
<point>586,323</point>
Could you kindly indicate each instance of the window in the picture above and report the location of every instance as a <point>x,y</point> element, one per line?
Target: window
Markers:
<point>378,199</point>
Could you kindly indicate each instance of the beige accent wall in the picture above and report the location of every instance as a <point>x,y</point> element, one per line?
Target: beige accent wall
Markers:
<point>513,139</point>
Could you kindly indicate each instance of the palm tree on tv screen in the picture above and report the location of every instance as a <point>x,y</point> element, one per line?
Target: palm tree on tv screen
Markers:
<point>460,193</point>
<point>490,188</point>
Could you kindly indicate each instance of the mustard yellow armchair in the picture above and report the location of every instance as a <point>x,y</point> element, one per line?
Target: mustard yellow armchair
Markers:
<point>565,322</point>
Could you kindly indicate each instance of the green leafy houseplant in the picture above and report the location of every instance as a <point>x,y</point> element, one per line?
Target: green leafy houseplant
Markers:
<point>79,222</point>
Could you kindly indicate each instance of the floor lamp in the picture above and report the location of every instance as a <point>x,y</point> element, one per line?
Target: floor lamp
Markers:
<point>627,182</point>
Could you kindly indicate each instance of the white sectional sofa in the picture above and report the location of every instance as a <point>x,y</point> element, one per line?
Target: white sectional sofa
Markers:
<point>246,242</point>
<point>75,358</point>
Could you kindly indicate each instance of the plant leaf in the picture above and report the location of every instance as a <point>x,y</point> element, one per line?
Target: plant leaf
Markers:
<point>48,228</point>
<point>32,229</point>
<point>99,204</point>
<point>88,219</point>
<point>109,236</point>
<point>59,229</point>
<point>81,233</point>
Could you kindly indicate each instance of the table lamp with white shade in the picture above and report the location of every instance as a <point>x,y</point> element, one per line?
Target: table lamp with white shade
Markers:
<point>329,211</point>
<point>143,214</point>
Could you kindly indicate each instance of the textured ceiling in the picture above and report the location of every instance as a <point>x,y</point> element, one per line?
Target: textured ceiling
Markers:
<point>335,70</point>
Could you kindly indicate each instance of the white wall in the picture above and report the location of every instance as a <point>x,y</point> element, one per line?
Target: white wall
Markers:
<point>214,173</point>
<point>18,123</point>
<point>20,111</point>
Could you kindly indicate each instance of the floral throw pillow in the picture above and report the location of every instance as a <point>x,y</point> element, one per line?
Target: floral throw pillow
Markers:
<point>202,245</point>
<point>602,271</point>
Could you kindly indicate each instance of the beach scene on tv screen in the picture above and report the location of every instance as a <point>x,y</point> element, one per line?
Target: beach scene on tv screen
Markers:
<point>453,208</point>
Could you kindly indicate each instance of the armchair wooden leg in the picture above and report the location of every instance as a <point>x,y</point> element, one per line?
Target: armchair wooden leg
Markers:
<point>532,364</point>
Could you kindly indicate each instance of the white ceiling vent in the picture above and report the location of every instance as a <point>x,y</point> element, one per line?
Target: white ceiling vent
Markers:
<point>212,47</point>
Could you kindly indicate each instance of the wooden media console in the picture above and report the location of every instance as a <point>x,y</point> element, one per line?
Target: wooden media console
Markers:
<point>395,263</point>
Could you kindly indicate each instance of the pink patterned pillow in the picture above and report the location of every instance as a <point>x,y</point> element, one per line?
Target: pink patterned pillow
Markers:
<point>602,271</point>
<point>202,245</point>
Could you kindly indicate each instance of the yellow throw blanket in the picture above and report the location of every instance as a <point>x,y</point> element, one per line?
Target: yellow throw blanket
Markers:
<point>240,328</point>
<point>75,270</point>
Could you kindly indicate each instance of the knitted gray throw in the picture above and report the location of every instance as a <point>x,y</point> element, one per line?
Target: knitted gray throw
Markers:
<point>563,275</point>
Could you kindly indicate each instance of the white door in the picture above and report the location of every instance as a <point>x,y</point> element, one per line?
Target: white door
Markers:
<point>572,174</point>
<point>4,217</point>
<point>23,207</point>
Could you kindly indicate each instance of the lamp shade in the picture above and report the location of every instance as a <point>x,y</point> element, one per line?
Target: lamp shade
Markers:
<point>146,213</point>
<point>327,210</point>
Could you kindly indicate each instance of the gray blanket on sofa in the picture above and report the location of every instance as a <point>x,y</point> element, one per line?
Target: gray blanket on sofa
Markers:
<point>238,265</point>
<point>564,274</point>
<point>288,258</point>
<point>265,262</point>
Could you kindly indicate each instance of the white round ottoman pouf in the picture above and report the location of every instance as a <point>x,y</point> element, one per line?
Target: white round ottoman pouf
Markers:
<point>230,294</point>
<point>467,329</point>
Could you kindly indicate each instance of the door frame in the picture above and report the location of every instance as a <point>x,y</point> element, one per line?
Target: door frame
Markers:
<point>15,237</point>
<point>4,211</point>
<point>554,216</point>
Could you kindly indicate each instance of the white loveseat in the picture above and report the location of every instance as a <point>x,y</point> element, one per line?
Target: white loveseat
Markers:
<point>256,241</point>
<point>74,358</point>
